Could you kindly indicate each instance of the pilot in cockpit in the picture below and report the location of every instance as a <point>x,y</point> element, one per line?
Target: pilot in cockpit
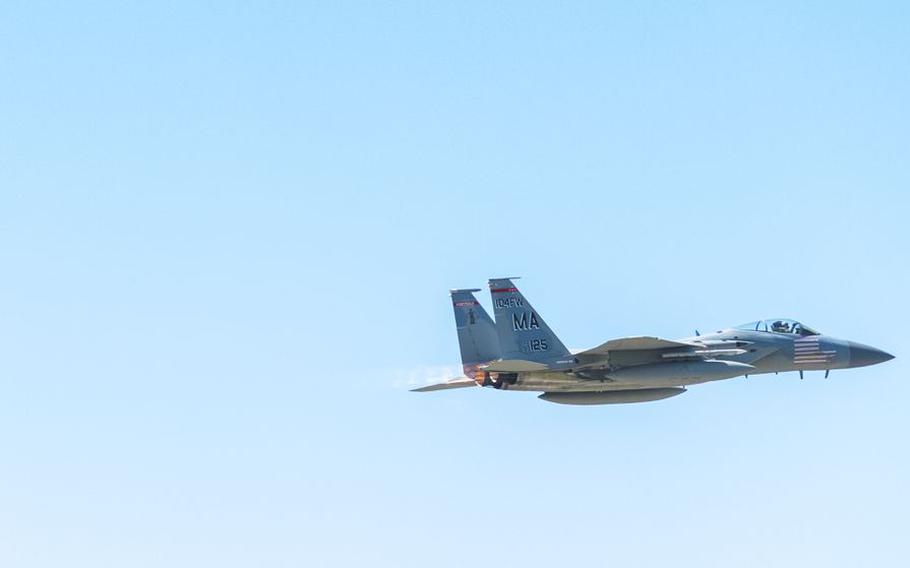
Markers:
<point>780,327</point>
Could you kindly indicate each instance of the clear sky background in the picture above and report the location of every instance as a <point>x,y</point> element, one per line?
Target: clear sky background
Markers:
<point>228,231</point>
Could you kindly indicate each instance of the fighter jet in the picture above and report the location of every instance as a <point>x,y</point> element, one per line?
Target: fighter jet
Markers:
<point>518,351</point>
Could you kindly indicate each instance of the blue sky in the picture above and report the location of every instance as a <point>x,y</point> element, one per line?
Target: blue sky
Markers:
<point>228,230</point>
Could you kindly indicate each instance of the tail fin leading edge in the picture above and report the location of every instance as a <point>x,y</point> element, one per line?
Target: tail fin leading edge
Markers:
<point>522,332</point>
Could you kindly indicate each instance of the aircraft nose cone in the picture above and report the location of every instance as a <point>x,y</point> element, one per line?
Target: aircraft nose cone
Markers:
<point>863,355</point>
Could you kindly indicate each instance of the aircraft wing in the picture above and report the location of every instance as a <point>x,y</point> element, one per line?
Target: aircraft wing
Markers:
<point>638,343</point>
<point>452,384</point>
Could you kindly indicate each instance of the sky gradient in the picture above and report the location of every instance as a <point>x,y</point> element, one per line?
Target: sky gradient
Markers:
<point>228,232</point>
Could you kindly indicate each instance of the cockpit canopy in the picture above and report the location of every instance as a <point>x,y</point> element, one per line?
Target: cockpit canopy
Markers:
<point>779,325</point>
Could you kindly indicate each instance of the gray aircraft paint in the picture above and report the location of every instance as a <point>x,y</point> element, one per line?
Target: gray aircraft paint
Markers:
<point>477,339</point>
<point>523,334</point>
<point>520,352</point>
<point>771,352</point>
<point>610,397</point>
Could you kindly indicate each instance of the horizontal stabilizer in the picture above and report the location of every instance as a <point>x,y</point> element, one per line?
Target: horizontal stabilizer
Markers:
<point>453,384</point>
<point>641,343</point>
<point>513,366</point>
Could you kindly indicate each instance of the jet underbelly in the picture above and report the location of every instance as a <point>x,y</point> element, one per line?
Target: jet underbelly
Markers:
<point>678,373</point>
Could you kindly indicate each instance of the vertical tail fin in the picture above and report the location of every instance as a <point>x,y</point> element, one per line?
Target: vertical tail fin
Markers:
<point>477,337</point>
<point>522,332</point>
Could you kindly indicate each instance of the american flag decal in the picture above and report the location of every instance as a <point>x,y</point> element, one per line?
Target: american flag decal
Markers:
<point>806,351</point>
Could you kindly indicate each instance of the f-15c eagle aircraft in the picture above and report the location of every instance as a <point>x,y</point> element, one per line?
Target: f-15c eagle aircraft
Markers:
<point>520,352</point>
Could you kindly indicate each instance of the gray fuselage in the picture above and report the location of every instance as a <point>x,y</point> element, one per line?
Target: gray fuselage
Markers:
<point>738,352</point>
